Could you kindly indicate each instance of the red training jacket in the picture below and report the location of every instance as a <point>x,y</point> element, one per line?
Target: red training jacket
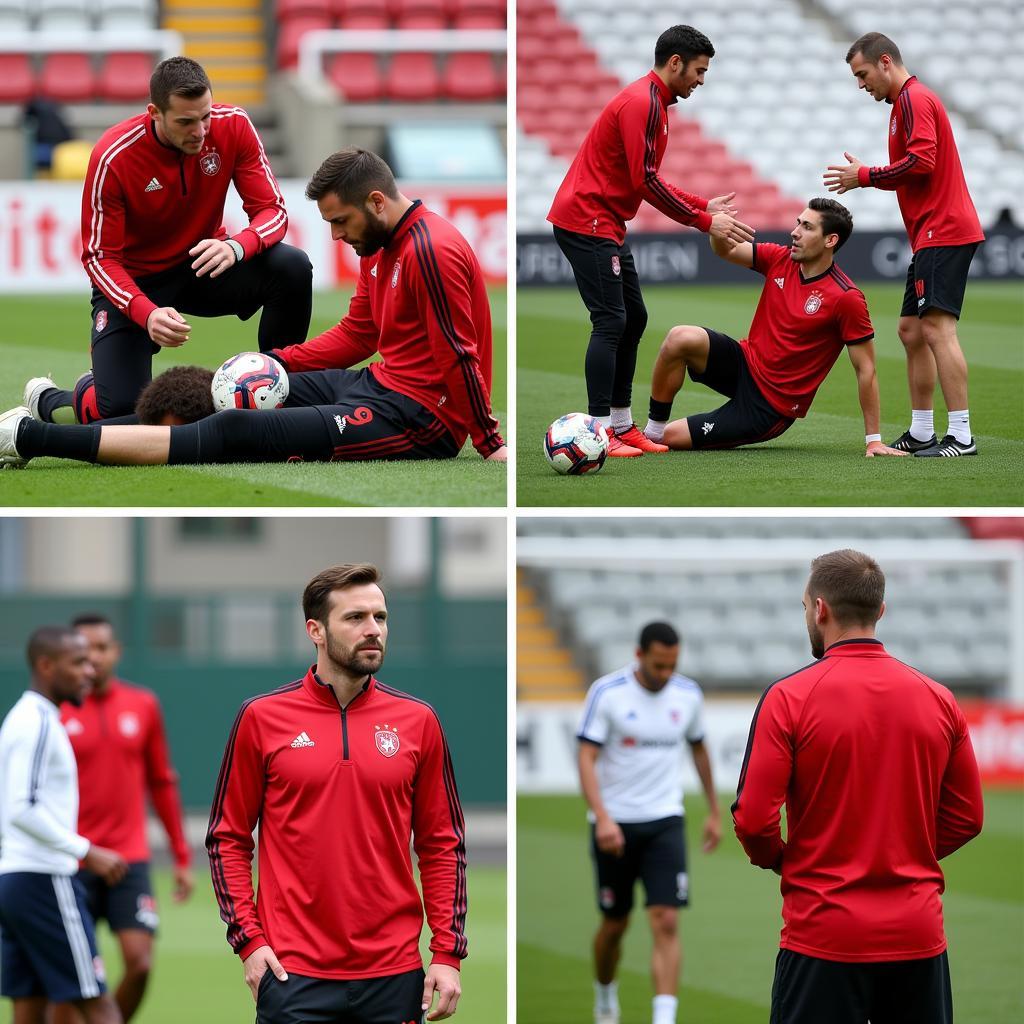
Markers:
<point>617,167</point>
<point>924,170</point>
<point>145,204</point>
<point>875,765</point>
<point>800,327</point>
<point>121,749</point>
<point>421,302</point>
<point>337,794</point>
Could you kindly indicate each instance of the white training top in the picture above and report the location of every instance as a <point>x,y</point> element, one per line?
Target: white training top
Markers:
<point>38,791</point>
<point>641,734</point>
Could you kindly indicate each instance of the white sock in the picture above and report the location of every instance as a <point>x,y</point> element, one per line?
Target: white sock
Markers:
<point>655,429</point>
<point>665,1010</point>
<point>960,425</point>
<point>922,424</point>
<point>622,419</point>
<point>606,997</point>
<point>605,421</point>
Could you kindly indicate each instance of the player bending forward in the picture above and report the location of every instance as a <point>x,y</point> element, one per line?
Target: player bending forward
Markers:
<point>809,311</point>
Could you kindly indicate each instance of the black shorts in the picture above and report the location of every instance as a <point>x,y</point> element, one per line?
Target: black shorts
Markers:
<point>47,939</point>
<point>808,991</point>
<point>748,417</point>
<point>655,853</point>
<point>278,279</point>
<point>937,279</point>
<point>392,999</point>
<point>129,904</point>
<point>366,420</point>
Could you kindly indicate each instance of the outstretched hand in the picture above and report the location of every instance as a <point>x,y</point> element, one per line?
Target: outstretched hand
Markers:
<point>841,179</point>
<point>723,204</point>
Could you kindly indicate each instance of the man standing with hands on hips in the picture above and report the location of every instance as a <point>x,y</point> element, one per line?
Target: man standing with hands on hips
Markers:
<point>339,771</point>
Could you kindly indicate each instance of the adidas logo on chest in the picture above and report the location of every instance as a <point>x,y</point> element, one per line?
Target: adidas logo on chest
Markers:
<point>303,740</point>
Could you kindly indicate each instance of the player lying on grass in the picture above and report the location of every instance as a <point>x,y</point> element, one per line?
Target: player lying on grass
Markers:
<point>809,311</point>
<point>421,303</point>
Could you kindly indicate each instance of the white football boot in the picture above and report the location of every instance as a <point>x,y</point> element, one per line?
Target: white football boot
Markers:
<point>34,390</point>
<point>9,422</point>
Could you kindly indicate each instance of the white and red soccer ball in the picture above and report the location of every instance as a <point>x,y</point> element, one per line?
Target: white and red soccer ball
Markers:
<point>251,380</point>
<point>576,444</point>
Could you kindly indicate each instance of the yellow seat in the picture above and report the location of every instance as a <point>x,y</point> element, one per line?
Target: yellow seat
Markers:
<point>71,160</point>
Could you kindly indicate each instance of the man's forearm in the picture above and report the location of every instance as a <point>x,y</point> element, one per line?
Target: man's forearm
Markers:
<point>867,392</point>
<point>702,762</point>
<point>589,785</point>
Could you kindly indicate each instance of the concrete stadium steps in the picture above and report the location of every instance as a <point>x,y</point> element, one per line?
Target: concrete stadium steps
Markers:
<point>229,38</point>
<point>544,668</point>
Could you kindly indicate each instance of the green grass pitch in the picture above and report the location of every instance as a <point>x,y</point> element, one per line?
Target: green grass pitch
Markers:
<point>50,334</point>
<point>819,460</point>
<point>196,977</point>
<point>730,932</point>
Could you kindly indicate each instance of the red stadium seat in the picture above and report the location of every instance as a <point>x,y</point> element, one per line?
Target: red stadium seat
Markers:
<point>480,20</point>
<point>464,8</point>
<point>413,78</point>
<point>356,76</point>
<point>16,80</point>
<point>286,9</point>
<point>291,31</point>
<point>472,76</point>
<point>419,14</point>
<point>345,9</point>
<point>125,77</point>
<point>67,78</point>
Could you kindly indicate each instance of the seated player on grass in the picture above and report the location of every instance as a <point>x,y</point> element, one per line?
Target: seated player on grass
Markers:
<point>420,303</point>
<point>809,311</point>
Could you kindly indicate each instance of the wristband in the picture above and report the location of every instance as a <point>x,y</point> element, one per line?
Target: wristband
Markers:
<point>868,438</point>
<point>236,248</point>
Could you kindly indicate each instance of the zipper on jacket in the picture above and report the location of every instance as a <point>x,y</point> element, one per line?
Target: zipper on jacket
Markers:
<point>344,734</point>
<point>181,169</point>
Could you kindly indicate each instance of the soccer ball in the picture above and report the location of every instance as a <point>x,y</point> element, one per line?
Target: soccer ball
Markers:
<point>251,380</point>
<point>576,444</point>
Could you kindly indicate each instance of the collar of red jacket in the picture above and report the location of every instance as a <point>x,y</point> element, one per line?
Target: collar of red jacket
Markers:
<point>856,647</point>
<point>323,693</point>
<point>666,96</point>
<point>113,685</point>
<point>415,212</point>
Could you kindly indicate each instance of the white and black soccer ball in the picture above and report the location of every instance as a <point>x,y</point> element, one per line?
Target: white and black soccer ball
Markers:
<point>576,444</point>
<point>251,380</point>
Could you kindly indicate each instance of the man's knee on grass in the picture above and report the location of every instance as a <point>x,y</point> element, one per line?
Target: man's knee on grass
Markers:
<point>177,396</point>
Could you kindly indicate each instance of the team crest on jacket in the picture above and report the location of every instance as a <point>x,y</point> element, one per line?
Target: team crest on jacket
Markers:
<point>210,163</point>
<point>813,303</point>
<point>394,273</point>
<point>101,320</point>
<point>616,266</point>
<point>386,739</point>
<point>128,723</point>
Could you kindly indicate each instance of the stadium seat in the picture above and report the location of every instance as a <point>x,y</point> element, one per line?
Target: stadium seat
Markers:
<point>426,15</point>
<point>125,77</point>
<point>17,83</point>
<point>478,14</point>
<point>356,76</point>
<point>14,16</point>
<point>291,31</point>
<point>71,160</point>
<point>64,15</point>
<point>127,15</point>
<point>472,76</point>
<point>413,78</point>
<point>366,21</point>
<point>286,9</point>
<point>67,78</point>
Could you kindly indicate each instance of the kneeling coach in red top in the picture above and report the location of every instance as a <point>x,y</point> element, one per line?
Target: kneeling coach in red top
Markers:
<point>339,771</point>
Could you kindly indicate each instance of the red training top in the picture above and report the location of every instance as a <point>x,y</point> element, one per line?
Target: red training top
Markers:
<point>874,763</point>
<point>121,748</point>
<point>337,792</point>
<point>617,167</point>
<point>421,302</point>
<point>145,203</point>
<point>800,326</point>
<point>924,170</point>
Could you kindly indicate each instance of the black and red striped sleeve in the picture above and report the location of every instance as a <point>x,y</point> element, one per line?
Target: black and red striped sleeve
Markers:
<point>917,122</point>
<point>764,779</point>
<point>639,123</point>
<point>439,839</point>
<point>103,229</point>
<point>229,841</point>
<point>257,187</point>
<point>444,280</point>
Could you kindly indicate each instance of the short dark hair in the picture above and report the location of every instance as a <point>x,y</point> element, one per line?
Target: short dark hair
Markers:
<point>91,619</point>
<point>872,45</point>
<point>851,584</point>
<point>683,41</point>
<point>177,76</point>
<point>47,641</point>
<point>836,219</point>
<point>179,391</point>
<point>657,633</point>
<point>352,174</point>
<point>316,598</point>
